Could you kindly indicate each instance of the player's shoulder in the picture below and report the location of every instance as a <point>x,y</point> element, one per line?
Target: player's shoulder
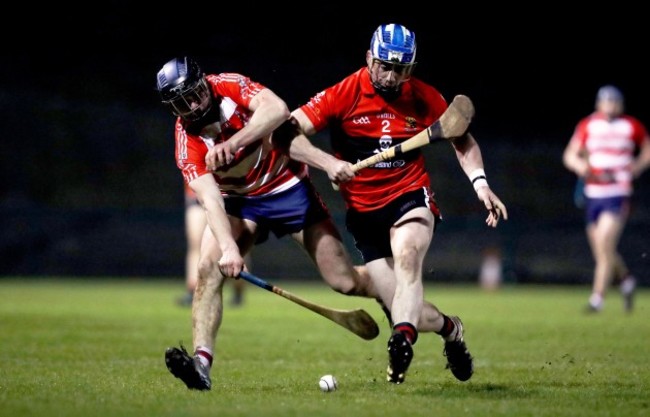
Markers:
<point>427,93</point>
<point>631,118</point>
<point>420,83</point>
<point>227,77</point>
<point>638,126</point>
<point>357,79</point>
<point>346,89</point>
<point>424,88</point>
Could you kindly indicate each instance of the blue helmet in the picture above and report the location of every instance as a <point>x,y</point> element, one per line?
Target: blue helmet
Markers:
<point>393,43</point>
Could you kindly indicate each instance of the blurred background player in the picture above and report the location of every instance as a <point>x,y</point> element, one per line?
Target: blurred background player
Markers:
<point>608,150</point>
<point>391,210</point>
<point>194,227</point>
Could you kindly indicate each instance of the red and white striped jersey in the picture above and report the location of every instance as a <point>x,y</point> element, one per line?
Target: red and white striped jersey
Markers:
<point>256,169</point>
<point>610,146</point>
<point>361,123</point>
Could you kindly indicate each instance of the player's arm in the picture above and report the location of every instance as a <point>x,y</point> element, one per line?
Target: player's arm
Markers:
<point>302,150</point>
<point>470,158</point>
<point>269,112</point>
<point>208,194</point>
<point>642,161</point>
<point>574,158</point>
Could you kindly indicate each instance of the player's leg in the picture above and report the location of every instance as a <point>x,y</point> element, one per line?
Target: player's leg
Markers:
<point>207,311</point>
<point>323,243</point>
<point>621,271</point>
<point>194,226</point>
<point>239,285</point>
<point>409,240</point>
<point>628,287</point>
<point>207,308</point>
<point>410,237</point>
<point>622,275</point>
<point>604,237</point>
<point>626,282</point>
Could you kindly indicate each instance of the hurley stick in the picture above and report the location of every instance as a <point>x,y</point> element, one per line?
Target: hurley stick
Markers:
<point>452,124</point>
<point>357,321</point>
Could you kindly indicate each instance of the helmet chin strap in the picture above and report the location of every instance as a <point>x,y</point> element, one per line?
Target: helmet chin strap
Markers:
<point>388,93</point>
<point>210,117</point>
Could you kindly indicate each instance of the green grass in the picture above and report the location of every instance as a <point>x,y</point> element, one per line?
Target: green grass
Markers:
<point>95,348</point>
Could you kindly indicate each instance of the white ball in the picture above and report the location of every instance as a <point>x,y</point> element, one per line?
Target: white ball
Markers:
<point>328,383</point>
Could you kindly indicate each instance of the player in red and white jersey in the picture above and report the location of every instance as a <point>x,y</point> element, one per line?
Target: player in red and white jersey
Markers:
<point>254,167</point>
<point>608,150</point>
<point>232,139</point>
<point>391,211</point>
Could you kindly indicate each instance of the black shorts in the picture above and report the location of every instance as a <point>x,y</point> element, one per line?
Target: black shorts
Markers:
<point>371,229</point>
<point>283,213</point>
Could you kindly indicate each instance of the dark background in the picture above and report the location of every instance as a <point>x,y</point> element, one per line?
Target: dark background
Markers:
<point>89,183</point>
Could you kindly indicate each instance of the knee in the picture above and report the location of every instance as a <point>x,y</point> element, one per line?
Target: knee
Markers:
<point>348,287</point>
<point>208,272</point>
<point>408,258</point>
<point>351,284</point>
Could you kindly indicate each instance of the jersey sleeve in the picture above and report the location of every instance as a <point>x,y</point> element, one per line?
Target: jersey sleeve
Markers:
<point>580,132</point>
<point>332,103</point>
<point>639,131</point>
<point>317,110</point>
<point>239,88</point>
<point>190,154</point>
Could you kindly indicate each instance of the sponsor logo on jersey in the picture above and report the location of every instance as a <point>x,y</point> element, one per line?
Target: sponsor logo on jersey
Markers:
<point>389,164</point>
<point>365,120</point>
<point>385,142</point>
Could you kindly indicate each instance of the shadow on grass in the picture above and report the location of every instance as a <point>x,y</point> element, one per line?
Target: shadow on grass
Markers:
<point>475,390</point>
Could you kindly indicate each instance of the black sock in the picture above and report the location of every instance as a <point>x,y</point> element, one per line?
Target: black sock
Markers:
<point>408,330</point>
<point>447,327</point>
<point>386,311</point>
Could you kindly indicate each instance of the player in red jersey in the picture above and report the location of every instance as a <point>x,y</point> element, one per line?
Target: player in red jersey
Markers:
<point>608,150</point>
<point>391,211</point>
<point>232,136</point>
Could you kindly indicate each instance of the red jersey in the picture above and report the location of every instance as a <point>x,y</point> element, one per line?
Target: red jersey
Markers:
<point>256,169</point>
<point>610,145</point>
<point>362,123</point>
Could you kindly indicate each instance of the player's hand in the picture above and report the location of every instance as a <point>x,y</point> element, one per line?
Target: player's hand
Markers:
<point>218,156</point>
<point>231,263</point>
<point>340,171</point>
<point>496,209</point>
<point>602,176</point>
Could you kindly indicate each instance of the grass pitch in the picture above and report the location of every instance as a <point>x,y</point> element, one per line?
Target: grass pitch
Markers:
<point>95,347</point>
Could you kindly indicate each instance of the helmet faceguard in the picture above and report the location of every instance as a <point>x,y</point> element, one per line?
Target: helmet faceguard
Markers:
<point>392,50</point>
<point>183,88</point>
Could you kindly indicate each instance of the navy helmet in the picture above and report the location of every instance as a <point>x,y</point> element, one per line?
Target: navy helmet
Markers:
<point>609,92</point>
<point>183,88</point>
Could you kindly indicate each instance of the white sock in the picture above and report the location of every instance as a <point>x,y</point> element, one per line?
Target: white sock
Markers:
<point>596,301</point>
<point>628,284</point>
<point>204,360</point>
